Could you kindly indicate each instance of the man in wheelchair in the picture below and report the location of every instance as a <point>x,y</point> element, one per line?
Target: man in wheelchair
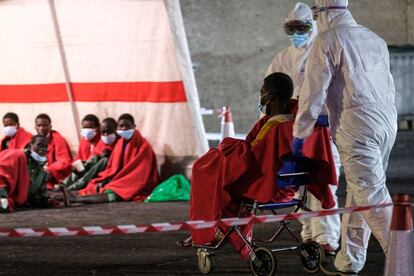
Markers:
<point>246,170</point>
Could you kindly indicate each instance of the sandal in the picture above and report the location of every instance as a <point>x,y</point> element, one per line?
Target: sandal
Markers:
<point>188,242</point>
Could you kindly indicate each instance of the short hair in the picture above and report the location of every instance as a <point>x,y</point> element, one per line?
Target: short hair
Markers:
<point>110,121</point>
<point>44,116</point>
<point>38,136</point>
<point>280,85</point>
<point>91,118</point>
<point>127,116</point>
<point>11,115</point>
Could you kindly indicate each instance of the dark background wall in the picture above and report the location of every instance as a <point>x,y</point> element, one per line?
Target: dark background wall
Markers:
<point>233,41</point>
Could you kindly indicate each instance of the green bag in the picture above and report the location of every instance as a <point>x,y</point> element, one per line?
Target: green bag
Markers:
<point>175,188</point>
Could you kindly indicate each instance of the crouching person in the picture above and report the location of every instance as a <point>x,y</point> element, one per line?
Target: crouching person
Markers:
<point>131,173</point>
<point>22,177</point>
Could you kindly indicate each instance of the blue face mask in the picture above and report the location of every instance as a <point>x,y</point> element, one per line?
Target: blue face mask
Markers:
<point>126,134</point>
<point>88,133</point>
<point>299,40</point>
<point>109,139</point>
<point>38,158</point>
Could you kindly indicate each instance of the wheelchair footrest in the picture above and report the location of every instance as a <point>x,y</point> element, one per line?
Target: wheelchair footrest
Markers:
<point>279,205</point>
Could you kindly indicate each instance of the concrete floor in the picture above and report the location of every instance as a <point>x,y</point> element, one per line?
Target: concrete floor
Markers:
<point>155,253</point>
<point>135,254</point>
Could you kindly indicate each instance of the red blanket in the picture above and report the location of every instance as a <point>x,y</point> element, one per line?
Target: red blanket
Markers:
<point>131,170</point>
<point>14,176</point>
<point>237,170</point>
<point>18,141</point>
<point>59,157</point>
<point>102,148</point>
<point>86,148</point>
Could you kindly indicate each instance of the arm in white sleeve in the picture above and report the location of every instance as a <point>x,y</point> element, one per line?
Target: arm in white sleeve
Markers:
<point>270,70</point>
<point>312,99</point>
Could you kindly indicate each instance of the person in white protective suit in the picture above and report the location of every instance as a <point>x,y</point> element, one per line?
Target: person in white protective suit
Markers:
<point>348,70</point>
<point>302,30</point>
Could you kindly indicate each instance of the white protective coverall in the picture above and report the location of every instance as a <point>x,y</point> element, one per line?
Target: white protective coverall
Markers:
<point>292,61</point>
<point>348,69</point>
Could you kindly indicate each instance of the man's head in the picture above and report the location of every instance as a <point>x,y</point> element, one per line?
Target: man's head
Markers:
<point>325,11</point>
<point>90,126</point>
<point>276,92</point>
<point>10,123</point>
<point>126,126</point>
<point>108,126</point>
<point>126,122</point>
<point>108,130</point>
<point>43,124</point>
<point>90,121</point>
<point>299,25</point>
<point>38,144</point>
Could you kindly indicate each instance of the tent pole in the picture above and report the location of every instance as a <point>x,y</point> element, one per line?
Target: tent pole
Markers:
<point>184,58</point>
<point>62,54</point>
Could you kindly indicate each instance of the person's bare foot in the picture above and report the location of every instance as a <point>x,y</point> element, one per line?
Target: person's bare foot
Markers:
<point>68,197</point>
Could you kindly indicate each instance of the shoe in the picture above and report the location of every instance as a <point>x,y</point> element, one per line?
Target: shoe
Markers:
<point>328,267</point>
<point>188,242</point>
<point>329,250</point>
<point>4,205</point>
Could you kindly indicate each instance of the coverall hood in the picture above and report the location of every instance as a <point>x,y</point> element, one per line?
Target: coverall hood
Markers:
<point>302,12</point>
<point>326,17</point>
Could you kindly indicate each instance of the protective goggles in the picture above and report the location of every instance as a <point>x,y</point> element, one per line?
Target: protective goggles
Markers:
<point>297,27</point>
<point>316,10</point>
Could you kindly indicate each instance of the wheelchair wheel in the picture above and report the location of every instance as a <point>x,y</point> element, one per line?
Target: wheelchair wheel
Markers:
<point>204,261</point>
<point>311,255</point>
<point>265,262</point>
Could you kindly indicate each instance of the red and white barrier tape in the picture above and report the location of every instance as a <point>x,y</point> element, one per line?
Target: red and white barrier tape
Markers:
<point>164,227</point>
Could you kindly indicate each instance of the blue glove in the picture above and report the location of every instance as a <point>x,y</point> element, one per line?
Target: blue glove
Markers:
<point>323,121</point>
<point>297,146</point>
<point>288,166</point>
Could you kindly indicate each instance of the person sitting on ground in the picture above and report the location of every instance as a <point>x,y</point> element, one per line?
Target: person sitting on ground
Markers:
<point>131,173</point>
<point>15,137</point>
<point>98,157</point>
<point>22,177</point>
<point>245,170</point>
<point>90,137</point>
<point>59,157</point>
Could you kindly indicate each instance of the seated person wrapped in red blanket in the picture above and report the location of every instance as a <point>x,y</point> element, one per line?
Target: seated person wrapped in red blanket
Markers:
<point>130,174</point>
<point>246,169</point>
<point>59,157</point>
<point>22,177</point>
<point>15,137</point>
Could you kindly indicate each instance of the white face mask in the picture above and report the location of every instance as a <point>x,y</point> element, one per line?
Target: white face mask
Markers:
<point>88,133</point>
<point>10,131</point>
<point>126,134</point>
<point>37,157</point>
<point>110,139</point>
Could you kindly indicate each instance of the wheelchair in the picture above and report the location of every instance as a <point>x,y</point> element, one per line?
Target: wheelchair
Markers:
<point>262,259</point>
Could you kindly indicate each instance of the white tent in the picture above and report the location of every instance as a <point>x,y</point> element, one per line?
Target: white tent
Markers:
<point>69,58</point>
